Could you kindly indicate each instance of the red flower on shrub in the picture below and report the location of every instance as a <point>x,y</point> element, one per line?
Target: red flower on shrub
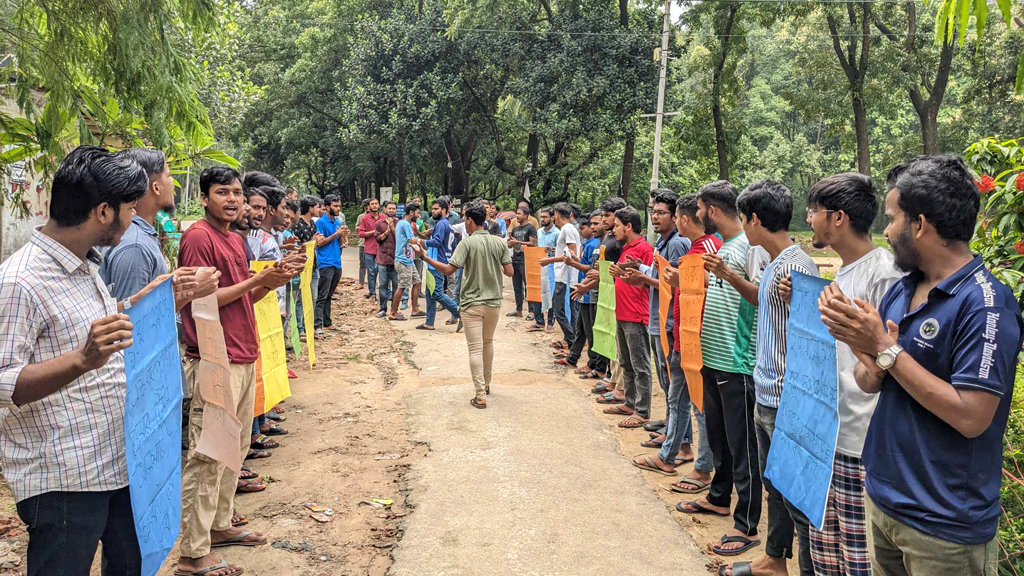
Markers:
<point>986,185</point>
<point>1019,182</point>
<point>1019,246</point>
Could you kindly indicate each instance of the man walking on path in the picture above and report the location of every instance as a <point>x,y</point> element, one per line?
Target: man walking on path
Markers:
<point>631,316</point>
<point>766,208</point>
<point>728,335</point>
<point>208,487</point>
<point>941,353</point>
<point>387,279</point>
<point>368,232</point>
<point>437,247</point>
<point>328,260</point>
<point>840,211</point>
<point>483,258</point>
<point>405,268</point>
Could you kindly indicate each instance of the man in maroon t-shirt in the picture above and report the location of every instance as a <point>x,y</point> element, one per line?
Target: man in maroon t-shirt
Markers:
<point>208,487</point>
<point>367,230</point>
<point>632,312</point>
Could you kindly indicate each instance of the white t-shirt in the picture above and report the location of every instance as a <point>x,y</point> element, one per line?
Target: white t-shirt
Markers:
<point>868,278</point>
<point>569,234</point>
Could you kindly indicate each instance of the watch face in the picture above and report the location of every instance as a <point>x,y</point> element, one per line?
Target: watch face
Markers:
<point>885,360</point>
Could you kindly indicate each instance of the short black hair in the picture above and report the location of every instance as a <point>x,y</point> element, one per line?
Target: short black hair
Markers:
<point>941,189</point>
<point>547,209</point>
<point>687,205</point>
<point>596,213</point>
<point>527,202</point>
<point>256,192</point>
<point>564,209</point>
<point>257,179</point>
<point>308,202</point>
<point>223,175</point>
<point>576,210</point>
<point>612,205</point>
<point>442,203</point>
<point>851,192</point>
<point>366,203</point>
<point>668,198</point>
<point>630,217</point>
<point>476,212</point>
<point>292,205</point>
<point>90,176</point>
<point>720,194</point>
<point>274,195</point>
<point>412,207</point>
<point>151,159</point>
<point>332,198</point>
<point>388,203</point>
<point>771,201</point>
<point>894,175</point>
<point>526,210</point>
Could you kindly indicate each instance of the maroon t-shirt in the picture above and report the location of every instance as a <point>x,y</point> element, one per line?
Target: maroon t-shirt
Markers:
<point>203,245</point>
<point>632,303</point>
<point>386,247</point>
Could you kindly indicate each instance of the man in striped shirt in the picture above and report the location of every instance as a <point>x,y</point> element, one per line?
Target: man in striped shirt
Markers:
<point>728,333</point>
<point>766,209</point>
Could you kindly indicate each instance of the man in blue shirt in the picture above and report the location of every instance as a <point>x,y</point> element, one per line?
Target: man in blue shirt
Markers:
<point>405,266</point>
<point>438,246</point>
<point>941,353</point>
<point>328,260</point>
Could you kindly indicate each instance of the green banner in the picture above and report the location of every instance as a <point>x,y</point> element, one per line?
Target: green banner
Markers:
<point>604,323</point>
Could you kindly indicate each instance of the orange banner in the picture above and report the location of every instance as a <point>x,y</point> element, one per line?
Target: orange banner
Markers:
<point>664,302</point>
<point>691,310</point>
<point>533,256</point>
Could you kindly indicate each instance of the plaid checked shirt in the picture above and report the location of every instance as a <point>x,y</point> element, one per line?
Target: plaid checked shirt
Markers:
<point>72,440</point>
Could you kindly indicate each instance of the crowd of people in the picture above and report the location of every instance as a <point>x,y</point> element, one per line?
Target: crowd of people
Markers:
<point>926,346</point>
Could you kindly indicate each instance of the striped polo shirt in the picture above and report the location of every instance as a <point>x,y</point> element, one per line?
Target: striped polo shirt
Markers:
<point>772,316</point>
<point>730,328</point>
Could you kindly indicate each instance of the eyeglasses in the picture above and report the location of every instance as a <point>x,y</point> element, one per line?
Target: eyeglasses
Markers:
<point>813,211</point>
<point>661,212</point>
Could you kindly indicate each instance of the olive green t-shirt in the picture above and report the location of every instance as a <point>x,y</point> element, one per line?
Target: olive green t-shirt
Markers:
<point>481,257</point>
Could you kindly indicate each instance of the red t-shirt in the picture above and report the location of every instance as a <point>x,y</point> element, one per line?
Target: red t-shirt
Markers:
<point>203,245</point>
<point>367,231</point>
<point>706,244</point>
<point>631,302</point>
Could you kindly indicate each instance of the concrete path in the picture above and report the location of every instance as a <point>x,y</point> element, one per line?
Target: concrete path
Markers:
<point>535,484</point>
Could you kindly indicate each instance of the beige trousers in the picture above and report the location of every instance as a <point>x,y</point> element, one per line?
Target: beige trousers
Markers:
<point>480,322</point>
<point>207,486</point>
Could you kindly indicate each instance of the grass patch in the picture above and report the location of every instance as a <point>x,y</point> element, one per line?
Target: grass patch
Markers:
<point>354,357</point>
<point>803,238</point>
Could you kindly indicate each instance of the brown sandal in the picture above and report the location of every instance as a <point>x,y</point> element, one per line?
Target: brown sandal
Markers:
<point>633,421</point>
<point>619,410</point>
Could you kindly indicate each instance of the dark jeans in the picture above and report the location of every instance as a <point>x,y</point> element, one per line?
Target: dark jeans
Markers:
<point>558,305</point>
<point>635,359</point>
<point>584,329</point>
<point>370,261</point>
<point>387,277</point>
<point>729,411</point>
<point>64,529</point>
<point>325,288</point>
<point>783,517</point>
<point>362,266</point>
<point>519,283</point>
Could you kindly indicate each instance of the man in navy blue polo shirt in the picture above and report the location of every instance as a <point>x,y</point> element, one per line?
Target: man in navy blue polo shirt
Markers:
<point>941,352</point>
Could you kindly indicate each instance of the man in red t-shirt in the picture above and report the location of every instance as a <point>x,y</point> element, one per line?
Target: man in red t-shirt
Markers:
<point>208,487</point>
<point>678,435</point>
<point>632,313</point>
<point>367,230</point>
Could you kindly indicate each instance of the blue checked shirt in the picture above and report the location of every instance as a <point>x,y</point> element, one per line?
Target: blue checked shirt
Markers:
<point>72,440</point>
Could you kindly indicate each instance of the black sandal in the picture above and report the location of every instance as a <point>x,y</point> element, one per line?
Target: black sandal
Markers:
<point>475,404</point>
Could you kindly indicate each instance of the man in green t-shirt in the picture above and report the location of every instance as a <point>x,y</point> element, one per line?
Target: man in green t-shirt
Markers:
<point>483,258</point>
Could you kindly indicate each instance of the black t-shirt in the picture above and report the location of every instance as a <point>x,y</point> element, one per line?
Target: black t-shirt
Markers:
<point>612,249</point>
<point>304,232</point>
<point>523,233</point>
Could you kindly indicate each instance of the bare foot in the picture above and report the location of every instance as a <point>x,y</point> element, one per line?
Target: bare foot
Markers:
<point>196,564</point>
<point>763,566</point>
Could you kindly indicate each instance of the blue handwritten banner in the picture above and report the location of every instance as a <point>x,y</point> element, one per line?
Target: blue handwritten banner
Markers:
<point>804,443</point>
<point>152,425</point>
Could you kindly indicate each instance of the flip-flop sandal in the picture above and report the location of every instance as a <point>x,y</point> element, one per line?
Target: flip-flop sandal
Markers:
<point>681,461</point>
<point>424,327</point>
<point>247,474</point>
<point>240,540</point>
<point>418,315</point>
<point>612,400</point>
<point>475,404</point>
<point>654,425</point>
<point>651,444</point>
<point>633,421</point>
<point>242,520</point>
<point>698,509</point>
<point>212,568</point>
<point>698,486</point>
<point>565,362</point>
<point>257,455</point>
<point>276,417</point>
<point>277,409</point>
<point>618,411</point>
<point>451,322</point>
<point>747,545</point>
<point>264,443</point>
<point>250,487</point>
<point>738,569</point>
<point>399,318</point>
<point>556,345</point>
<point>276,431</point>
<point>601,388</point>
<point>650,466</point>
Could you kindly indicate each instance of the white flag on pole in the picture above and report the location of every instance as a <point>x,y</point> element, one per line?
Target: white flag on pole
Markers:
<point>526,190</point>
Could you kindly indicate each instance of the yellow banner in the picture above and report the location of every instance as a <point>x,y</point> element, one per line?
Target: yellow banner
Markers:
<point>272,354</point>
<point>305,281</point>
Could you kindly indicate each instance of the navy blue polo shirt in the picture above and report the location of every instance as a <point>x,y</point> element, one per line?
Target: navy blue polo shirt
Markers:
<point>920,470</point>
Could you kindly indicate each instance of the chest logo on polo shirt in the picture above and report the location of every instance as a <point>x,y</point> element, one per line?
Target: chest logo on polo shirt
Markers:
<point>929,329</point>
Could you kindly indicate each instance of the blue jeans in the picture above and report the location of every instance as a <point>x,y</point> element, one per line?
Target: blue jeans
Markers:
<point>438,295</point>
<point>388,278</point>
<point>65,527</point>
<point>370,261</point>
<point>678,427</point>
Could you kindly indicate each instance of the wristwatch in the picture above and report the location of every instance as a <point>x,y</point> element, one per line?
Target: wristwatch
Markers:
<point>126,304</point>
<point>887,358</point>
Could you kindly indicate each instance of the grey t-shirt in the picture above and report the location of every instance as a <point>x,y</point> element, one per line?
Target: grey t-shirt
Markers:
<point>135,262</point>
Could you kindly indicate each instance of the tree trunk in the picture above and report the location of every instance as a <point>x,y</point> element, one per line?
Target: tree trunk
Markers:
<point>627,167</point>
<point>716,96</point>
<point>855,67</point>
<point>860,125</point>
<point>458,180</point>
<point>402,177</point>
